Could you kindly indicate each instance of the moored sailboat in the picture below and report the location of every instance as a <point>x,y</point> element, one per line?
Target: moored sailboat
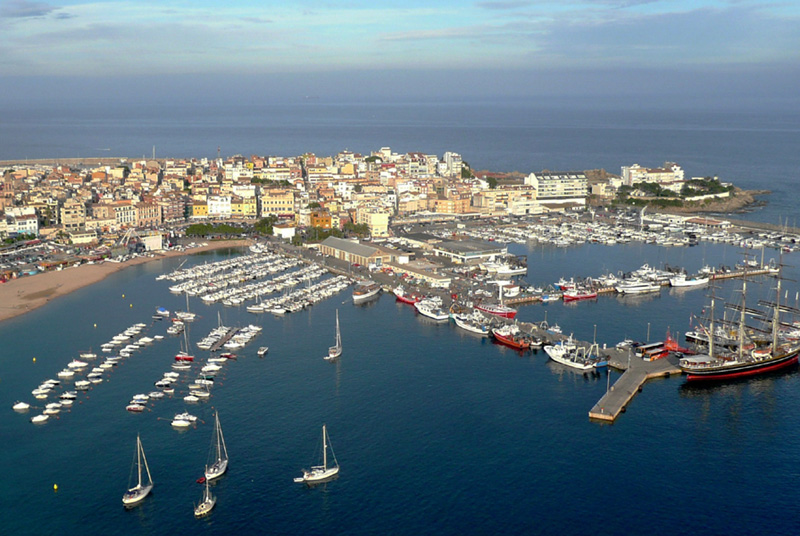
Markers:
<point>219,453</point>
<point>321,473</point>
<point>336,350</point>
<point>204,507</point>
<point>137,493</point>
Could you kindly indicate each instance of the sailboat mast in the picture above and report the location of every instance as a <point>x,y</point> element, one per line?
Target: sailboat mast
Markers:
<point>776,318</point>
<point>711,328</point>
<point>139,459</point>
<point>219,433</point>
<point>741,314</point>
<point>324,449</point>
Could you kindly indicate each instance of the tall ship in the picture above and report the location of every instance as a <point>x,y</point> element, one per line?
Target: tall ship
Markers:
<point>755,353</point>
<point>365,290</point>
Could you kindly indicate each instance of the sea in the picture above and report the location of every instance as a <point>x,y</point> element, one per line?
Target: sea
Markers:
<point>435,430</point>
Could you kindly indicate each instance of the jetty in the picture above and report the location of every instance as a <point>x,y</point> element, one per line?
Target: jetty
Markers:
<point>225,338</point>
<point>637,372</point>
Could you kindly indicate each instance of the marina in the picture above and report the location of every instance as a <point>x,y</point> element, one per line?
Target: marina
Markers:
<point>608,392</point>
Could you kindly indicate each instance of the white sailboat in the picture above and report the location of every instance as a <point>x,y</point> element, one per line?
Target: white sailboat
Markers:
<point>203,508</point>
<point>220,453</point>
<point>136,494</point>
<point>321,473</point>
<point>335,350</point>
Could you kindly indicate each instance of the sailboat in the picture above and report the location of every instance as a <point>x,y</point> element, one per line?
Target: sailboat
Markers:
<point>203,508</point>
<point>186,316</point>
<point>335,350</point>
<point>321,473</point>
<point>220,453</point>
<point>136,494</point>
<point>756,357</point>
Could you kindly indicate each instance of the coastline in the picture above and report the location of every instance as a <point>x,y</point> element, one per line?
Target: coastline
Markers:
<point>25,294</point>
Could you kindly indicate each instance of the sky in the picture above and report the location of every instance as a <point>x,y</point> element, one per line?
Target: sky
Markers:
<point>584,49</point>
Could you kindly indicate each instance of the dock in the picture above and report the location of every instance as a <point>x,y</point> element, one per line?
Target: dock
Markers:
<point>217,345</point>
<point>637,372</point>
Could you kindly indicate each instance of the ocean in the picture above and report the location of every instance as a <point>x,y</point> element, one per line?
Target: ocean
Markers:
<point>436,430</point>
<point>752,149</point>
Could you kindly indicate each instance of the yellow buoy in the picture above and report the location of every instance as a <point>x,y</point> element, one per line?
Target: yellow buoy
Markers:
<point>131,305</point>
<point>55,487</point>
<point>123,295</point>
<point>95,325</point>
<point>34,360</point>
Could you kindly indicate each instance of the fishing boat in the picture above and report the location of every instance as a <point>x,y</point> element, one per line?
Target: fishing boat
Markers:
<point>365,290</point>
<point>137,493</point>
<point>750,357</point>
<point>497,309</point>
<point>567,353</point>
<point>321,473</point>
<point>473,322</point>
<point>219,453</point>
<point>577,294</point>
<point>335,350</point>
<point>204,507</point>
<point>511,336</point>
<point>682,280</point>
<point>432,308</point>
<point>404,297</point>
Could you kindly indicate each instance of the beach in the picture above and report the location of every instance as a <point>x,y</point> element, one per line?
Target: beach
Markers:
<point>19,296</point>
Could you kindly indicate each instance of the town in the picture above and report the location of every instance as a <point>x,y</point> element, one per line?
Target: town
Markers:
<point>87,205</point>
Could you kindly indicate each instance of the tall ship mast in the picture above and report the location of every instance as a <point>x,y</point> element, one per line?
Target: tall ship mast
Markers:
<point>748,359</point>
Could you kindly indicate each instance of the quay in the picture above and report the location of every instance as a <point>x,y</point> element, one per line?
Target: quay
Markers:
<point>637,372</point>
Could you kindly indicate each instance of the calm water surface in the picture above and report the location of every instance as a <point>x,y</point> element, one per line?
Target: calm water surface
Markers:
<point>436,431</point>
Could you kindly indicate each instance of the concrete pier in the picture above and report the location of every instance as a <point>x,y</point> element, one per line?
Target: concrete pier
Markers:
<point>637,372</point>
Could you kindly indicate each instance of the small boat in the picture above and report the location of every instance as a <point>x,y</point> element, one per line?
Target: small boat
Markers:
<point>38,419</point>
<point>191,399</point>
<point>135,408</point>
<point>21,406</point>
<point>321,473</point>
<point>219,452</point>
<point>82,385</point>
<point>204,507</point>
<point>336,350</point>
<point>263,351</point>
<point>137,493</point>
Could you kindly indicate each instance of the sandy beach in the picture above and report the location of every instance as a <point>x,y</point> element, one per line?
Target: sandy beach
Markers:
<point>27,293</point>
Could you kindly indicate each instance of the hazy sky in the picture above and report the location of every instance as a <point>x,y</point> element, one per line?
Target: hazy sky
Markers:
<point>418,48</point>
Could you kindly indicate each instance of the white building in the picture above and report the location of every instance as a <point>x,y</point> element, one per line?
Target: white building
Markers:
<point>219,206</point>
<point>669,173</point>
<point>559,187</point>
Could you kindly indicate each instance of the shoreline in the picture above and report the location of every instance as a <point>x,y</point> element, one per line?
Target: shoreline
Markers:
<point>20,296</point>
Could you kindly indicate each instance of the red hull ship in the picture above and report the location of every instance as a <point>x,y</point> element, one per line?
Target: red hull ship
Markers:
<point>577,295</point>
<point>497,310</point>
<point>410,299</point>
<point>517,343</point>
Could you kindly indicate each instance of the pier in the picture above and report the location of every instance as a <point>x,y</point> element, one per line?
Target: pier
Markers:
<point>217,345</point>
<point>637,372</point>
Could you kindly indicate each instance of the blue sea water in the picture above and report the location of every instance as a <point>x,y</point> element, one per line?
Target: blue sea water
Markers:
<point>754,149</point>
<point>436,431</point>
